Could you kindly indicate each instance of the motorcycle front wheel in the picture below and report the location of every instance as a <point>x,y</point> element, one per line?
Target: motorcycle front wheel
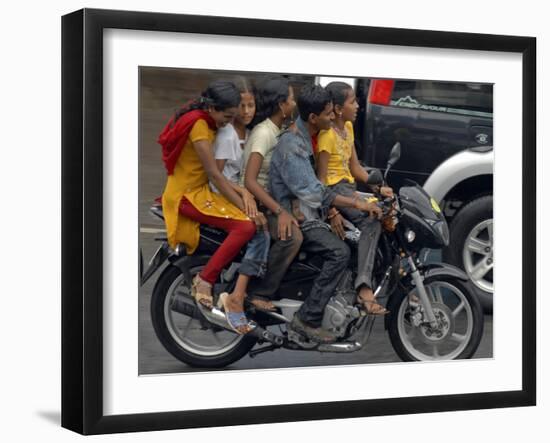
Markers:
<point>192,341</point>
<point>459,318</point>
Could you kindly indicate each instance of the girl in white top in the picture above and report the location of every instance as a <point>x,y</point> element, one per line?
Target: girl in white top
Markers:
<point>229,145</point>
<point>228,152</point>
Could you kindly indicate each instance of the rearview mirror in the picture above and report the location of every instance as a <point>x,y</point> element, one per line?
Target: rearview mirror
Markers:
<point>375,177</point>
<point>395,154</point>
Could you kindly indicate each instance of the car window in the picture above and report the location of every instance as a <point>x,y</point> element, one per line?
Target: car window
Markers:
<point>454,97</point>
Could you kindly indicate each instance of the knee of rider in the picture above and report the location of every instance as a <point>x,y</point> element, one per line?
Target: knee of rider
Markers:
<point>293,243</point>
<point>371,225</point>
<point>342,252</point>
<point>296,239</point>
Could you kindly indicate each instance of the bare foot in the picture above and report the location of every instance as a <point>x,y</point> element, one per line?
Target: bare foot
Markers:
<point>264,305</point>
<point>367,300</point>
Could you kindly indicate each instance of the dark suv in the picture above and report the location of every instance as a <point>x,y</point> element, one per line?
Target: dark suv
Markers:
<point>446,135</point>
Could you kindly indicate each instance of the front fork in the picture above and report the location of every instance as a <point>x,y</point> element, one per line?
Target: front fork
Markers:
<point>422,294</point>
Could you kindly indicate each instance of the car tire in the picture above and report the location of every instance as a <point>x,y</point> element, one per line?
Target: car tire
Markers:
<point>471,247</point>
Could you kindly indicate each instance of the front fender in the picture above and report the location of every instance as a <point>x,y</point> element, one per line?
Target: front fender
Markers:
<point>436,269</point>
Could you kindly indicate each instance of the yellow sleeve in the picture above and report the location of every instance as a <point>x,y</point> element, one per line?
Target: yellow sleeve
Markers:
<point>349,129</point>
<point>326,141</point>
<point>199,131</point>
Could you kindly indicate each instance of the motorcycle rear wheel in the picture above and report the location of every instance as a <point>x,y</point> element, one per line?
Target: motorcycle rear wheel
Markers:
<point>191,341</point>
<point>460,317</point>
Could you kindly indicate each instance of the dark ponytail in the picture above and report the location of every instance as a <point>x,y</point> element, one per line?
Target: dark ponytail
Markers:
<point>220,94</point>
<point>271,91</point>
<point>338,92</point>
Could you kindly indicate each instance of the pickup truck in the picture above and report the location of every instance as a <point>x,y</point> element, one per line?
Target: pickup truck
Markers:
<point>446,135</point>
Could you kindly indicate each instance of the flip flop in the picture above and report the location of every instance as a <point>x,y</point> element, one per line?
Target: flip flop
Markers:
<point>236,320</point>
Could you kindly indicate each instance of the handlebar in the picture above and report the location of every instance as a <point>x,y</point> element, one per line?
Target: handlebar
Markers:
<point>387,205</point>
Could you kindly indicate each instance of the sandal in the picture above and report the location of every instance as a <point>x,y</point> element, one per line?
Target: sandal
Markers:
<point>202,298</point>
<point>236,320</point>
<point>261,303</point>
<point>371,307</point>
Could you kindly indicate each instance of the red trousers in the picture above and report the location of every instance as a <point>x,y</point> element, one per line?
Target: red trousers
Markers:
<point>240,232</point>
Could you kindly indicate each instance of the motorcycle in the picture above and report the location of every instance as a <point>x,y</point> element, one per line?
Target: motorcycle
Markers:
<point>434,311</point>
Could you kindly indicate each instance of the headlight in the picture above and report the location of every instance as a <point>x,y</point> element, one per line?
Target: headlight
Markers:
<point>410,235</point>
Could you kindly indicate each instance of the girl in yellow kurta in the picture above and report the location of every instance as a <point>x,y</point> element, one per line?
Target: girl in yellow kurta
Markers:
<point>188,201</point>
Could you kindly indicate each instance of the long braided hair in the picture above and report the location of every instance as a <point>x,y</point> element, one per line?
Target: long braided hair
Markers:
<point>220,94</point>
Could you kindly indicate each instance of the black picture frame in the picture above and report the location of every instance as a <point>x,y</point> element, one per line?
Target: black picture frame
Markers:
<point>82,230</point>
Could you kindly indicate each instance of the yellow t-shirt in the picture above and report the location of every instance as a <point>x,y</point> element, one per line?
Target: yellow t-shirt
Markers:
<point>340,150</point>
<point>190,180</point>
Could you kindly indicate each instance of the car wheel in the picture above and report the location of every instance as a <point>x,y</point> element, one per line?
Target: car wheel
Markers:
<point>471,246</point>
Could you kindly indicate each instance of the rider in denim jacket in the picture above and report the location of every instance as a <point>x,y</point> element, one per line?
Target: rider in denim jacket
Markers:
<point>292,176</point>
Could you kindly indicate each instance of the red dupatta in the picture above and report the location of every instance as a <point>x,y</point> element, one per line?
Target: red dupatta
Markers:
<point>174,136</point>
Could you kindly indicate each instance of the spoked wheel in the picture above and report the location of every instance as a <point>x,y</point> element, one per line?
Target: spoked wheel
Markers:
<point>192,340</point>
<point>459,322</point>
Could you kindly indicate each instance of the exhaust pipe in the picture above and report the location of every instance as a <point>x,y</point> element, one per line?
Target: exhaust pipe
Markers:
<point>218,318</point>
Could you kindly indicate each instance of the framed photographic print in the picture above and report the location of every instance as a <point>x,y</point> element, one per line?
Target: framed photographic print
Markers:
<point>179,130</point>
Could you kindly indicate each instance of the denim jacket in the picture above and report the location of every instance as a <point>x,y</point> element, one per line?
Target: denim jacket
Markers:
<point>292,176</point>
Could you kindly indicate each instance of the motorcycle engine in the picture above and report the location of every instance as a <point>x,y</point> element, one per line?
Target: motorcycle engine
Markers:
<point>340,311</point>
<point>338,315</point>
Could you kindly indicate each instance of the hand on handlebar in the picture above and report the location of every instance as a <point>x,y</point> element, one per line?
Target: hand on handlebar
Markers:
<point>371,207</point>
<point>386,192</point>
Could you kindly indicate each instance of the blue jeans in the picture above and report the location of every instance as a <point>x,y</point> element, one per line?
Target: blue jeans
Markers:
<point>281,254</point>
<point>254,263</point>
